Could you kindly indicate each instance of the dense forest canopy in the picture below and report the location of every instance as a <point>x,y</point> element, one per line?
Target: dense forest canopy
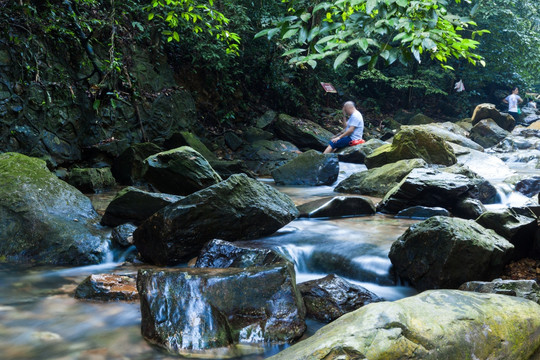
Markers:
<point>237,55</point>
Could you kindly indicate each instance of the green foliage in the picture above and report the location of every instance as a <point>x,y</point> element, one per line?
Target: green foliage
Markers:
<point>370,31</point>
<point>197,16</point>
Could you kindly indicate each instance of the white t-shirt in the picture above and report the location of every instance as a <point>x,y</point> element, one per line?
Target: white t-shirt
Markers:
<point>357,121</point>
<point>513,102</point>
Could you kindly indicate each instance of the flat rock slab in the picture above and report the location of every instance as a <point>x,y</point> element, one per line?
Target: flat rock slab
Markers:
<point>310,168</point>
<point>108,287</point>
<point>527,289</point>
<point>422,212</point>
<point>444,324</point>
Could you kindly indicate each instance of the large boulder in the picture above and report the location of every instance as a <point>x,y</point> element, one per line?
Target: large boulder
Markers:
<point>226,168</point>
<point>310,168</point>
<point>235,209</point>
<point>91,180</point>
<point>181,171</point>
<point>196,309</point>
<point>444,252</point>
<point>422,212</point>
<point>128,168</point>
<point>519,227</point>
<point>443,324</point>
<point>437,188</point>
<point>233,141</point>
<point>264,156</point>
<point>135,205</point>
<point>223,254</point>
<point>108,287</point>
<point>487,133</point>
<point>469,209</point>
<point>331,297</point>
<point>357,154</point>
<point>450,132</point>
<point>186,138</point>
<point>412,143</point>
<point>303,133</point>
<point>527,289</point>
<point>489,111</point>
<point>44,220</point>
<point>337,206</point>
<point>378,181</point>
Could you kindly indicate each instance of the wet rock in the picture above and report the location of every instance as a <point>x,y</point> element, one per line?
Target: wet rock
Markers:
<point>186,138</point>
<point>469,209</point>
<point>196,309</point>
<point>466,124</point>
<point>264,156</point>
<point>443,324</point>
<point>233,141</point>
<point>266,119</point>
<point>224,254</point>
<point>310,168</point>
<point>135,205</point>
<point>432,254</point>
<point>487,133</point>
<point>302,133</point>
<point>529,186</point>
<point>518,227</point>
<point>108,287</point>
<point>422,212</point>
<point>436,188</point>
<point>180,171</point>
<point>43,219</point>
<point>235,209</point>
<point>128,168</point>
<point>378,181</point>
<point>357,154</point>
<point>527,289</point>
<point>450,132</point>
<point>91,180</point>
<point>413,143</point>
<point>331,297</point>
<point>122,235</point>
<point>489,111</point>
<point>337,206</point>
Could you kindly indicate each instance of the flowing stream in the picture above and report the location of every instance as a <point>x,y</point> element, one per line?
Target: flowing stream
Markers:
<point>40,319</point>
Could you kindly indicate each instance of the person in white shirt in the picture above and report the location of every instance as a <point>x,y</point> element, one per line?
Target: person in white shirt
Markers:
<point>513,100</point>
<point>353,131</point>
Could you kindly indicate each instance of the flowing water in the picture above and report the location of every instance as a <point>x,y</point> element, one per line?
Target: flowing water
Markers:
<point>40,319</point>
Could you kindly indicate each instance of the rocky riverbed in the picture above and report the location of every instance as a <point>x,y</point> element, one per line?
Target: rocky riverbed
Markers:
<point>203,257</point>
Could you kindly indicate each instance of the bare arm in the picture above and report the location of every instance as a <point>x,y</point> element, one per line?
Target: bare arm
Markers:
<point>344,134</point>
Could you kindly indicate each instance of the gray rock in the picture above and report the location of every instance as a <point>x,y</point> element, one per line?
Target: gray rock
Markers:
<point>235,209</point>
<point>224,254</point>
<point>331,297</point>
<point>487,133</point>
<point>253,134</point>
<point>233,141</point>
<point>181,171</point>
<point>432,254</point>
<point>128,168</point>
<point>469,209</point>
<point>529,186</point>
<point>195,309</point>
<point>527,289</point>
<point>302,133</point>
<point>122,235</point>
<point>422,212</point>
<point>310,168</point>
<point>338,206</point>
<point>489,111</point>
<point>91,180</point>
<point>264,156</point>
<point>135,205</point>
<point>266,119</point>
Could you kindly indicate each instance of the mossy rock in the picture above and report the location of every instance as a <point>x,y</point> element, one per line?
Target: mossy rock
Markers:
<point>420,119</point>
<point>435,325</point>
<point>412,143</point>
<point>44,220</point>
<point>431,254</point>
<point>357,154</point>
<point>186,138</point>
<point>378,181</point>
<point>91,180</point>
<point>180,171</point>
<point>450,132</point>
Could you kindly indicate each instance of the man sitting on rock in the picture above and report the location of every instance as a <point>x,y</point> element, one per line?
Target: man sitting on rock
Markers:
<point>353,131</point>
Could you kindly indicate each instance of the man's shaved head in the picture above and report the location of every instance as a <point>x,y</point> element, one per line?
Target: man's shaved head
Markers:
<point>349,104</point>
<point>349,108</point>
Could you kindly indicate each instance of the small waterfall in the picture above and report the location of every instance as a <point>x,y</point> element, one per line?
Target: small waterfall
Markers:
<point>508,197</point>
<point>195,324</point>
<point>299,255</point>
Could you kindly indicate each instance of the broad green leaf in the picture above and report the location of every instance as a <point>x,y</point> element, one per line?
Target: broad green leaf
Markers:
<point>363,61</point>
<point>341,58</point>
